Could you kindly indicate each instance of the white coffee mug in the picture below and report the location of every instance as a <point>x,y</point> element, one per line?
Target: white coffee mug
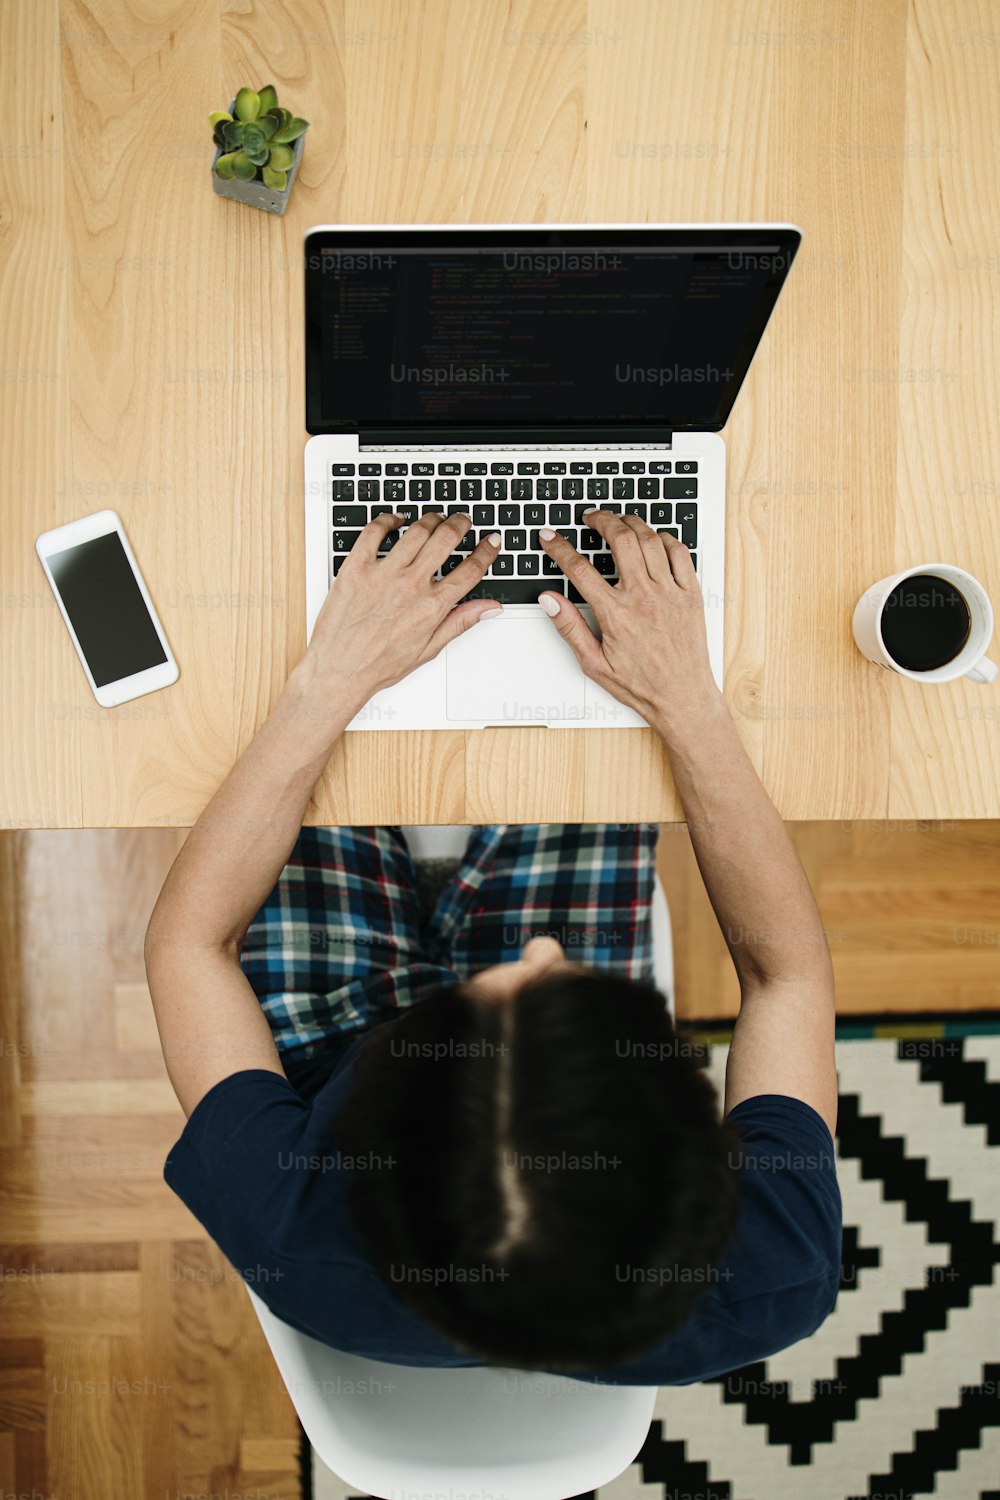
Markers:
<point>971,661</point>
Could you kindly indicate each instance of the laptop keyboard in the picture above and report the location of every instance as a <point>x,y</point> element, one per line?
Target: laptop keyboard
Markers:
<point>516,498</point>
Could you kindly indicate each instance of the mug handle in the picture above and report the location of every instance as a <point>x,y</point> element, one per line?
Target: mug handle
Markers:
<point>984,671</point>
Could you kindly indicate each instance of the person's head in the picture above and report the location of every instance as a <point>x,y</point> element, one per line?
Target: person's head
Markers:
<point>544,1179</point>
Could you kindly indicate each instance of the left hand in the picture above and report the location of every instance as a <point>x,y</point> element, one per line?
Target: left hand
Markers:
<point>385,616</point>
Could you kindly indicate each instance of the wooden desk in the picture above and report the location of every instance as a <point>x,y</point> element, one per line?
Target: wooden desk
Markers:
<point>153,363</point>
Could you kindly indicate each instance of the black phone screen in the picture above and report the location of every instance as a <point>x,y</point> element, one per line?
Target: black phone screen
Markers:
<point>105,605</point>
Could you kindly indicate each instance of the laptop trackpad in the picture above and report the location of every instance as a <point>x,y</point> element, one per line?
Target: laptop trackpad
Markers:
<point>513,672</point>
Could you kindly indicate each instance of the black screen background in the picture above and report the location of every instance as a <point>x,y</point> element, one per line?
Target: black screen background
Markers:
<point>99,592</point>
<point>561,337</point>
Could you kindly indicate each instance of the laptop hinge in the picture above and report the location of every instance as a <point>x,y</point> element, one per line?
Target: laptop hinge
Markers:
<point>567,438</point>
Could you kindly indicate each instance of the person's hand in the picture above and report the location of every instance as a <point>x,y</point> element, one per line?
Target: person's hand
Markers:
<point>385,616</point>
<point>653,651</point>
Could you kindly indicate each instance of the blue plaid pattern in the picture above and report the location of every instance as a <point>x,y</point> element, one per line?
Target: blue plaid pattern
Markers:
<point>338,945</point>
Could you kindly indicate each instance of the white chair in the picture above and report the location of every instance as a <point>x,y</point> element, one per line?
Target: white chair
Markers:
<point>502,1434</point>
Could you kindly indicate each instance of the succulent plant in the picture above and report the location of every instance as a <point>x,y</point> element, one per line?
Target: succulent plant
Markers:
<point>257,142</point>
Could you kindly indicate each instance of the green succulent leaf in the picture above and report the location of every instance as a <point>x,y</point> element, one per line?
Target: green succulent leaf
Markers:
<point>217,116</point>
<point>224,167</point>
<point>254,143</point>
<point>247,104</point>
<point>218,136</point>
<point>243,167</point>
<point>268,97</point>
<point>291,131</point>
<point>281,158</point>
<point>270,122</point>
<point>274,180</point>
<point>232,133</point>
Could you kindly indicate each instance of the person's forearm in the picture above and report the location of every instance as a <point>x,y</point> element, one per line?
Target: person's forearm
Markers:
<point>755,882</point>
<point>233,856</point>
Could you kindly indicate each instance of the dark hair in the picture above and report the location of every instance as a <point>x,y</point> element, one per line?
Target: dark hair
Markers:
<point>553,1182</point>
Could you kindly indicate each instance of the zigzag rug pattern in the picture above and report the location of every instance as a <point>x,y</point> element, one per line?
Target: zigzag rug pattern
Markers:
<point>898,1394</point>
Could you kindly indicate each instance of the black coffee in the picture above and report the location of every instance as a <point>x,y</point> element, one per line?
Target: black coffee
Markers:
<point>925,623</point>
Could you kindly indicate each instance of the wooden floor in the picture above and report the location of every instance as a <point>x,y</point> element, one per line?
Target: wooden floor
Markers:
<point>131,1363</point>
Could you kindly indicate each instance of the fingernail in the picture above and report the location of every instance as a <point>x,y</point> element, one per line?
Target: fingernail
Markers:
<point>491,614</point>
<point>547,532</point>
<point>591,510</point>
<point>495,538</point>
<point>549,603</point>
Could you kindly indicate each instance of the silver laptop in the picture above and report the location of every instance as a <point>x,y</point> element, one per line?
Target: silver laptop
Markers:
<point>521,374</point>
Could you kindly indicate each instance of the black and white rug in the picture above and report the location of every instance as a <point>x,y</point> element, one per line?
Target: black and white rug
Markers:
<point>898,1394</point>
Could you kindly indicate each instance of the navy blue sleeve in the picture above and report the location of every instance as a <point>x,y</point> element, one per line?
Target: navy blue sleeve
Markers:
<point>232,1163</point>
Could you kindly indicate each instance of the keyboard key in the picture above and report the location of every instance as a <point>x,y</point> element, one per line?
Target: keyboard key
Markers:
<point>467,542</point>
<point>423,469</point>
<point>521,489</point>
<point>515,541</point>
<point>636,508</point>
<point>605,565</point>
<point>694,559</point>
<point>672,530</point>
<point>343,489</point>
<point>547,489</point>
<point>370,469</point>
<point>580,513</point>
<point>350,515</point>
<point>660,467</point>
<point>550,566</point>
<point>457,510</point>
<point>555,468</point>
<point>408,512</point>
<point>528,563</point>
<point>343,469</point>
<point>502,566</point>
<point>615,510</point>
<point>343,541</point>
<point>388,542</point>
<point>338,563</point>
<point>397,469</point>
<point>368,490</point>
<point>471,489</point>
<point>496,489</point>
<point>445,489</point>
<point>623,489</point>
<point>501,468</point>
<point>687,518</point>
<point>431,510</point>
<point>597,489</point>
<point>608,468</point>
<point>484,515</point>
<point>514,590</point>
<point>527,468</point>
<point>572,489</point>
<point>649,489</point>
<point>510,515</point>
<point>559,515</point>
<point>534,515</point>
<point>420,489</point>
<point>686,467</point>
<point>475,468</point>
<point>634,467</point>
<point>395,489</point>
<point>451,563</point>
<point>381,510</point>
<point>581,468</point>
<point>661,515</point>
<point>680,489</point>
<point>449,468</point>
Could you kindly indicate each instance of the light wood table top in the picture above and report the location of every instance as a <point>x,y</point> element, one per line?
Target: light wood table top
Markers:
<point>152,362</point>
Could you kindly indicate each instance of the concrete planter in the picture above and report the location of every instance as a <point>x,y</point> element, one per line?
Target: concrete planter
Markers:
<point>255,192</point>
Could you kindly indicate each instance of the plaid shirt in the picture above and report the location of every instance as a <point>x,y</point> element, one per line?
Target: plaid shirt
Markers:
<point>338,945</point>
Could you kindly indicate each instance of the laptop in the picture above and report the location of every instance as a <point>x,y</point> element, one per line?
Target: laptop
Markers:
<point>520,374</point>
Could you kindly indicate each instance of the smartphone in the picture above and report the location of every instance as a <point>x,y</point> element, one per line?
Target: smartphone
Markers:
<point>104,600</point>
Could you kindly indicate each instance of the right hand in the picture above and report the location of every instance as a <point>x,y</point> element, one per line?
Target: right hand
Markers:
<point>653,651</point>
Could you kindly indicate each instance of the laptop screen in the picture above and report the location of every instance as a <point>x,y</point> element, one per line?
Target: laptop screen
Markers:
<point>459,335</point>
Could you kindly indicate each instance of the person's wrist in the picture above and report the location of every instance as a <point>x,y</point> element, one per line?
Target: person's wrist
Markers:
<point>676,715</point>
<point>321,698</point>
